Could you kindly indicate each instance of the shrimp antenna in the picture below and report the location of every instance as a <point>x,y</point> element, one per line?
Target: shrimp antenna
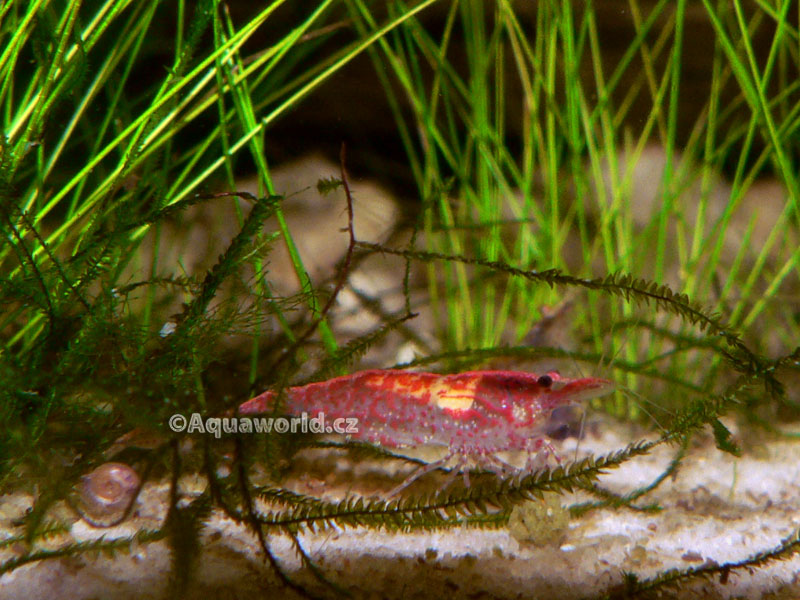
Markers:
<point>598,369</point>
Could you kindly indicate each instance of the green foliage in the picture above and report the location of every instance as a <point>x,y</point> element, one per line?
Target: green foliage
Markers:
<point>326,185</point>
<point>108,548</point>
<point>441,509</point>
<point>723,438</point>
<point>94,168</point>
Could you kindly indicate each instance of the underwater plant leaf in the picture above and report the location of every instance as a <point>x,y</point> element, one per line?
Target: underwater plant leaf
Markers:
<point>722,436</point>
<point>446,508</point>
<point>326,185</point>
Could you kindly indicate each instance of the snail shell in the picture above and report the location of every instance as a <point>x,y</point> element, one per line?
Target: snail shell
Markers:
<point>106,492</point>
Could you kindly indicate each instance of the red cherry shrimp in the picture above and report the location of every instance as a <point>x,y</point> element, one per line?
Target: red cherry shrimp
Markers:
<point>475,414</point>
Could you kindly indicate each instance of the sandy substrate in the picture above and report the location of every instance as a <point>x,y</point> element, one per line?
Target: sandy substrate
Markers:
<point>716,509</point>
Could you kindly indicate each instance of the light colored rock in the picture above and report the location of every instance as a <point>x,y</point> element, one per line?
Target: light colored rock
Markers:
<point>190,244</point>
<point>716,509</point>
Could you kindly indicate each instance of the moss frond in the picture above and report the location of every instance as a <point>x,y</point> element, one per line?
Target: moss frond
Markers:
<point>448,508</point>
<point>672,578</point>
<point>101,546</point>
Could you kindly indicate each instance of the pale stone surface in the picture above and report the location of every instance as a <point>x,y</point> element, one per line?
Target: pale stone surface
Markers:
<point>717,508</point>
<point>192,241</point>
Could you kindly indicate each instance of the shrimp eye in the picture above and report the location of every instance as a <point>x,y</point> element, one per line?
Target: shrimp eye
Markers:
<point>545,381</point>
